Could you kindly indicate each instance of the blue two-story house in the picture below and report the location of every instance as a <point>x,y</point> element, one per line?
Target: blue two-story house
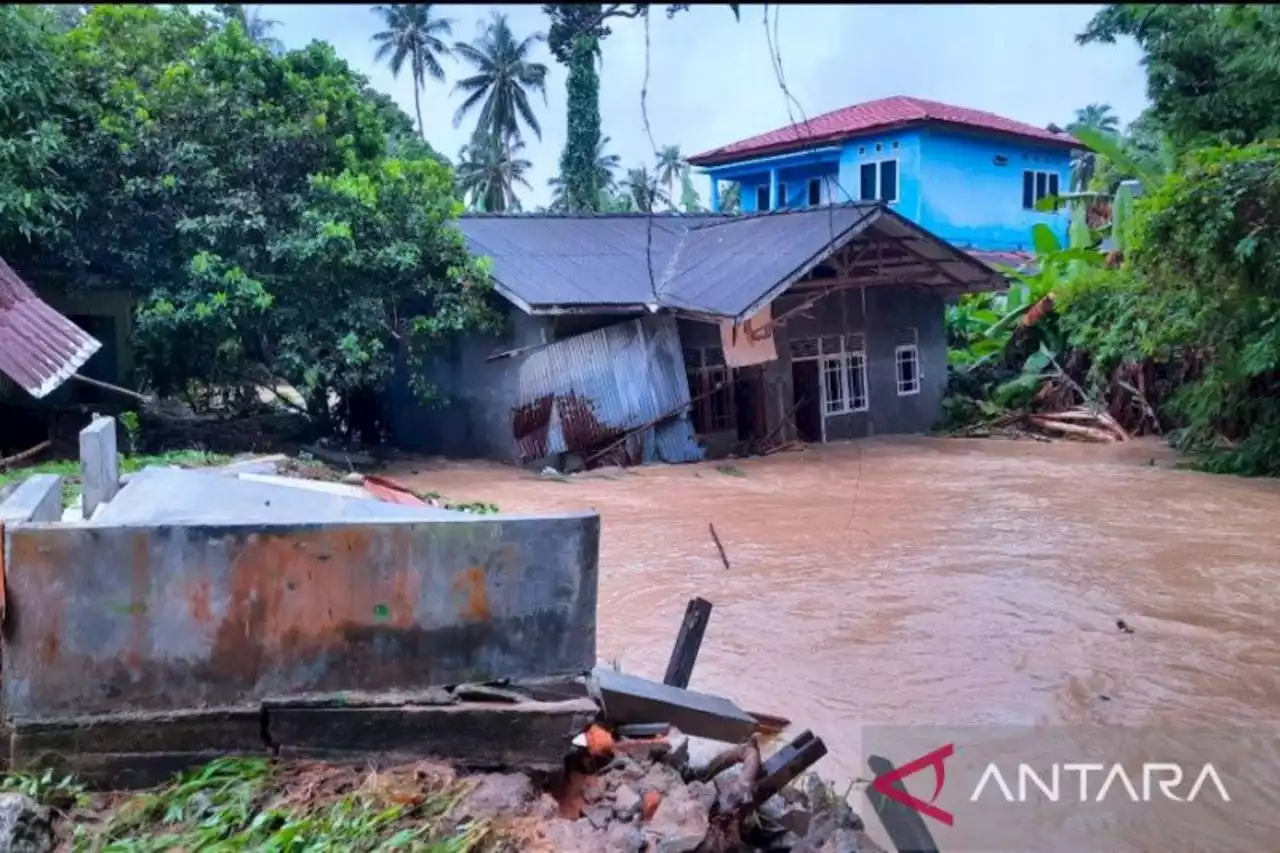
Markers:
<point>970,177</point>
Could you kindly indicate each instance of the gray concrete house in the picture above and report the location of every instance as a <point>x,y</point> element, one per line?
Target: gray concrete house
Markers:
<point>671,337</point>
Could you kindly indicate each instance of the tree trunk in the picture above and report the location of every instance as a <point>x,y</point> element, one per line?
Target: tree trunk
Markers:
<point>419,80</point>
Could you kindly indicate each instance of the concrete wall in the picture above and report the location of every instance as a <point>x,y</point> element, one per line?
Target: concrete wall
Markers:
<point>969,200</point>
<point>104,619</point>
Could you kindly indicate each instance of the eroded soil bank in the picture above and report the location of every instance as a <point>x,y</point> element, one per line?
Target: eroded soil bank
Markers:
<point>934,581</point>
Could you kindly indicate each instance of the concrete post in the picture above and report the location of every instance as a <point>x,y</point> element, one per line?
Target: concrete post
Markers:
<point>715,194</point>
<point>99,464</point>
<point>37,498</point>
<point>773,189</point>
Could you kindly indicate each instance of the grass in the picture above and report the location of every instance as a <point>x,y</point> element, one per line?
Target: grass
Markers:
<point>69,469</point>
<point>252,804</point>
<point>477,507</point>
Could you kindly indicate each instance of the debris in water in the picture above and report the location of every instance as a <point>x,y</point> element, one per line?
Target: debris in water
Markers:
<point>1124,626</point>
<point>724,558</point>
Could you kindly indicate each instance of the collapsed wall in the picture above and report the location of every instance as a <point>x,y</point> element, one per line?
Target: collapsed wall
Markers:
<point>164,636</point>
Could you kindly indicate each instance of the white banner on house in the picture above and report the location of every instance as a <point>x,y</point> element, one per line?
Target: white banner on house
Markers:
<point>750,342</point>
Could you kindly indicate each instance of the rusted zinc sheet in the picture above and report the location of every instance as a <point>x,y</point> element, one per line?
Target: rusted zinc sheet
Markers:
<point>158,618</point>
<point>582,393</point>
<point>39,348</point>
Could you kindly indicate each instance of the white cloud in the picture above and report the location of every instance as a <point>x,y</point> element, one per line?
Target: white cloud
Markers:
<point>711,80</point>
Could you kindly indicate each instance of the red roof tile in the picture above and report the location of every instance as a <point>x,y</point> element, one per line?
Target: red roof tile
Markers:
<point>877,115</point>
<point>39,348</point>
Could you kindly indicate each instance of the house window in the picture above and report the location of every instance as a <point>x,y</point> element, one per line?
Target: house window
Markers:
<point>1037,185</point>
<point>843,360</point>
<point>762,197</point>
<point>906,358</point>
<point>815,192</point>
<point>710,389</point>
<point>879,181</point>
<point>782,196</point>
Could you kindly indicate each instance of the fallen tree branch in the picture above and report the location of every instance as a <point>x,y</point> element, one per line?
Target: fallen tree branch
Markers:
<point>98,383</point>
<point>1067,428</point>
<point>26,454</point>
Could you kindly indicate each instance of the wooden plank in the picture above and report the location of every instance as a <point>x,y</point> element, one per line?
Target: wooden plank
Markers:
<point>685,653</point>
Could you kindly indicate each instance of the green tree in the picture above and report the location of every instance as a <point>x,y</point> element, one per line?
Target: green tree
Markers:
<point>32,103</point>
<point>249,202</point>
<point>671,167</point>
<point>504,76</point>
<point>1097,117</point>
<point>689,200</point>
<point>1211,68</point>
<point>488,172</point>
<point>606,178</point>
<point>577,162</point>
<point>415,35</point>
<point>731,198</point>
<point>643,188</point>
<point>255,26</point>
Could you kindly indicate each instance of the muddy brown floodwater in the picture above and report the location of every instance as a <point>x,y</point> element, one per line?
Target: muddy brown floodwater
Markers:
<point>934,581</point>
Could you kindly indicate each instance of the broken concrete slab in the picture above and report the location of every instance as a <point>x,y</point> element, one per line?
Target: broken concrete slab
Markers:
<point>99,464</point>
<point>323,486</point>
<point>630,699</point>
<point>477,735</point>
<point>178,496</point>
<point>158,617</point>
<point>37,498</point>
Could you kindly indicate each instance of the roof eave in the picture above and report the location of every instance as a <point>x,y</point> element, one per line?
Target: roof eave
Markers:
<point>714,158</point>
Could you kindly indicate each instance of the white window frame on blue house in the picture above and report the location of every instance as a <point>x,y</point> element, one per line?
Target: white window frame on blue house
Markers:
<point>1052,185</point>
<point>782,195</point>
<point>878,194</point>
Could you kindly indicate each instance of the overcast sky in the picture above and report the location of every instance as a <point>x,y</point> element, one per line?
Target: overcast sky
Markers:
<point>711,80</point>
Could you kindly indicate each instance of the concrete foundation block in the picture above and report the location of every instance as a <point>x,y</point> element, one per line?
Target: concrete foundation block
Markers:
<point>630,699</point>
<point>129,751</point>
<point>528,735</point>
<point>127,771</point>
<point>99,464</point>
<point>37,498</point>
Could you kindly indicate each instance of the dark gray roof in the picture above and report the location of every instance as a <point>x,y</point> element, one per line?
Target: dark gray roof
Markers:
<point>709,264</point>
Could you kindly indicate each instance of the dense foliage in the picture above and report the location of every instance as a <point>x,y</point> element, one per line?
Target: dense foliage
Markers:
<point>266,208</point>
<point>1177,331</point>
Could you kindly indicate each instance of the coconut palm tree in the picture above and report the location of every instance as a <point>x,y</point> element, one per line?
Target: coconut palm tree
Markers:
<point>415,35</point>
<point>606,178</point>
<point>670,168</point>
<point>256,27</point>
<point>644,190</point>
<point>504,76</point>
<point>1084,164</point>
<point>488,171</point>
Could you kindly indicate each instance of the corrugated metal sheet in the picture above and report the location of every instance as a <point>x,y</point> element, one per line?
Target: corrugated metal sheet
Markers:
<point>586,392</point>
<point>712,265</point>
<point>39,348</point>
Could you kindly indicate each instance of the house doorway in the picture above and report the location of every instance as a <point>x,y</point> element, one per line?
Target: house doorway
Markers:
<point>748,391</point>
<point>806,384</point>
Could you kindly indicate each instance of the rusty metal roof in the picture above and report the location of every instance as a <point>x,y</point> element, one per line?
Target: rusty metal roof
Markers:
<point>39,348</point>
<point>705,265</point>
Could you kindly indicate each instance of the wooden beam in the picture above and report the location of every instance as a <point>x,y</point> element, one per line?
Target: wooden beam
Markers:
<point>685,653</point>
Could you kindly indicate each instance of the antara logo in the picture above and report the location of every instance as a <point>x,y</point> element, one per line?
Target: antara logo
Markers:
<point>1046,784</point>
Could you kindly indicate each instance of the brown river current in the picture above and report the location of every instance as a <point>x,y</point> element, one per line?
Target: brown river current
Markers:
<point>939,582</point>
